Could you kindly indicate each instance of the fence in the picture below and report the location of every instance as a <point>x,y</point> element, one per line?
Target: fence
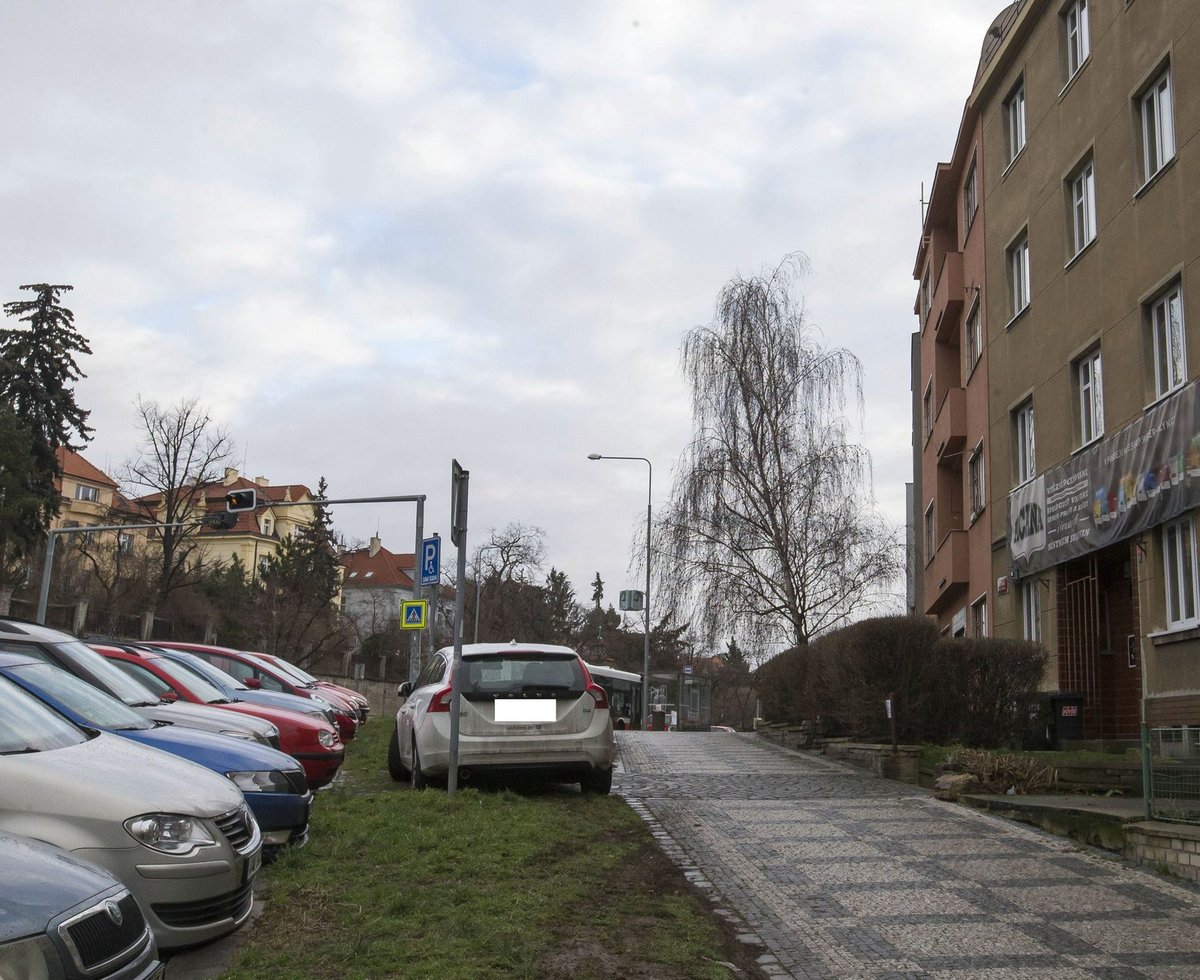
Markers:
<point>1174,774</point>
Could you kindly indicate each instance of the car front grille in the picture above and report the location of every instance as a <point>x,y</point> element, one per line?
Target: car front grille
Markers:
<point>232,905</point>
<point>237,827</point>
<point>111,931</point>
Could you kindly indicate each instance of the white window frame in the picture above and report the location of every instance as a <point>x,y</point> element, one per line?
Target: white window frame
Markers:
<point>1025,449</point>
<point>1156,109</point>
<point>973,335</point>
<point>1018,273</point>
<point>1031,609</point>
<point>1168,341</point>
<point>1014,111</point>
<point>1078,37</point>
<point>926,296</point>
<point>979,623</point>
<point>124,543</point>
<point>87,494</point>
<point>1089,378</point>
<point>1082,191</point>
<point>970,197</point>
<point>927,411</point>
<point>975,481</point>
<point>1179,574</point>
<point>930,534</point>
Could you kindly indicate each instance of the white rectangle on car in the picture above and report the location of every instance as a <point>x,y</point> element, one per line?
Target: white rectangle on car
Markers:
<point>526,710</point>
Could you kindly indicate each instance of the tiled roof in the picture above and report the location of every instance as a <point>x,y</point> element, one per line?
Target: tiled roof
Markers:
<point>74,465</point>
<point>383,570</point>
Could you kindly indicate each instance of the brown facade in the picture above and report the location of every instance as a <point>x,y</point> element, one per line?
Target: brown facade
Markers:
<point>1090,184</point>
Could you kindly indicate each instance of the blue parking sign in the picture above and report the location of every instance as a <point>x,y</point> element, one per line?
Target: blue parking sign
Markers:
<point>431,560</point>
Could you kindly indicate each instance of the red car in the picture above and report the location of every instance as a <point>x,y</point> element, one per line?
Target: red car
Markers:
<point>362,707</point>
<point>255,672</point>
<point>310,740</point>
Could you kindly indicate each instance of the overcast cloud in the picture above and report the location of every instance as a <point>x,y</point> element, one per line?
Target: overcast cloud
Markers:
<point>375,236</point>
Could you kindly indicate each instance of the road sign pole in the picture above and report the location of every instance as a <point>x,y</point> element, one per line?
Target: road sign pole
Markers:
<point>414,650</point>
<point>459,482</point>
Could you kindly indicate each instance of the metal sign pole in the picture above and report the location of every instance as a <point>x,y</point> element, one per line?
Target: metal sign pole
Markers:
<point>459,483</point>
<point>414,651</point>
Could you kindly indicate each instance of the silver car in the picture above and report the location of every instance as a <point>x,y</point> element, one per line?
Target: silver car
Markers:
<point>527,709</point>
<point>179,836</point>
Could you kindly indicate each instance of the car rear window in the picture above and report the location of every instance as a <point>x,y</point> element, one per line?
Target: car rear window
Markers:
<point>511,674</point>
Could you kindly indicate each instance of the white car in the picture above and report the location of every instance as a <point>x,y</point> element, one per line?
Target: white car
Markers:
<point>179,836</point>
<point>527,709</point>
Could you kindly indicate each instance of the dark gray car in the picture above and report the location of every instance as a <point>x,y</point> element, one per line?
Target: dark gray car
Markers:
<point>63,918</point>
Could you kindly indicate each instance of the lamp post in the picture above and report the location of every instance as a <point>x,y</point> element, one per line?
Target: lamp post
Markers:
<point>649,513</point>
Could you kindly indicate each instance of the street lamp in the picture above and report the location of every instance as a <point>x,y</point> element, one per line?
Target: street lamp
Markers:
<point>646,650</point>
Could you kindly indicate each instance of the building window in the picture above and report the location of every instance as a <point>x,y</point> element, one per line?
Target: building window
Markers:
<point>973,336</point>
<point>979,626</point>
<point>926,297</point>
<point>927,411</point>
<point>930,539</point>
<point>1089,381</point>
<point>975,480</point>
<point>1014,115</point>
<point>90,494</point>
<point>1031,610</point>
<point>124,542</point>
<point>1167,341</point>
<point>1024,454</point>
<point>1158,126</point>
<point>1018,275</point>
<point>1081,192</point>
<point>1179,561</point>
<point>970,197</point>
<point>1075,21</point>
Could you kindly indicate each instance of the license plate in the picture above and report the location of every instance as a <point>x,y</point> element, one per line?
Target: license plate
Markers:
<point>526,710</point>
<point>253,863</point>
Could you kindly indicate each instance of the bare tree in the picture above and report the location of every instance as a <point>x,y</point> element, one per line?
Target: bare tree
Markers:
<point>514,553</point>
<point>771,533</point>
<point>183,452</point>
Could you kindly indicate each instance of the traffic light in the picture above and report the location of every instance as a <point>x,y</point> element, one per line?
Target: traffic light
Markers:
<point>219,521</point>
<point>239,500</point>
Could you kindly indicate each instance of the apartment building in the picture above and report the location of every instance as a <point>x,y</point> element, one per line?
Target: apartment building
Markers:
<point>1089,181</point>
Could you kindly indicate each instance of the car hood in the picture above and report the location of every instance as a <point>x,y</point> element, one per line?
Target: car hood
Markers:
<point>81,795</point>
<point>206,717</point>
<point>278,699</point>
<point>39,882</point>
<point>213,751</point>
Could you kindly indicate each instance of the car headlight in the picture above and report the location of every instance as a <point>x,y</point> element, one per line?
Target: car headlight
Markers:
<point>262,781</point>
<point>33,958</point>
<point>326,738</point>
<point>171,833</point>
<point>318,713</point>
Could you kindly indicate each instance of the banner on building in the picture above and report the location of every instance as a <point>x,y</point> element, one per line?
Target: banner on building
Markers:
<point>1137,478</point>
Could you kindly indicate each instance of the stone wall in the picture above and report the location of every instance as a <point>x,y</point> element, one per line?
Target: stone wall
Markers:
<point>902,764</point>
<point>1170,847</point>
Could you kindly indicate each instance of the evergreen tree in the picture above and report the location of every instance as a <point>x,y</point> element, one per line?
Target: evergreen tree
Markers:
<point>27,497</point>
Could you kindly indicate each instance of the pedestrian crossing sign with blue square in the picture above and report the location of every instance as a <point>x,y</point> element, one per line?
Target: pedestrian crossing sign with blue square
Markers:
<point>413,613</point>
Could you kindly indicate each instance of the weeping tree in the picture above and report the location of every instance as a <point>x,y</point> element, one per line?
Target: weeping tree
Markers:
<point>771,533</point>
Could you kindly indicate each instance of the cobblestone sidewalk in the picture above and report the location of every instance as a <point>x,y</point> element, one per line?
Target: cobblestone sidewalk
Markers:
<point>842,875</point>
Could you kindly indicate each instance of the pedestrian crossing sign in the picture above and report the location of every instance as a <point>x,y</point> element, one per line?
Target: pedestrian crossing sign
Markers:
<point>412,614</point>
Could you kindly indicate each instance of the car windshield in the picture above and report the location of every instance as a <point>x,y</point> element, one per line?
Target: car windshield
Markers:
<point>110,677</point>
<point>278,669</point>
<point>192,680</point>
<point>27,725</point>
<point>218,677</point>
<point>521,672</point>
<point>294,671</point>
<point>90,703</point>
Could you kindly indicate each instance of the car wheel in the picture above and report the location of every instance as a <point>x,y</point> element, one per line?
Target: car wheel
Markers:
<point>599,782</point>
<point>396,768</point>
<point>417,779</point>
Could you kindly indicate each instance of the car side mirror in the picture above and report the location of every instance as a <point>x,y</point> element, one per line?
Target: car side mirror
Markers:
<point>404,690</point>
<point>253,683</point>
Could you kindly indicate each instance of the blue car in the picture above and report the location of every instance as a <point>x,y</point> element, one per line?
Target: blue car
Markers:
<point>272,782</point>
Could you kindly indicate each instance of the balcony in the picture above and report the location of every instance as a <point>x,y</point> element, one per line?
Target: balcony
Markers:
<point>946,577</point>
<point>948,296</point>
<point>949,434</point>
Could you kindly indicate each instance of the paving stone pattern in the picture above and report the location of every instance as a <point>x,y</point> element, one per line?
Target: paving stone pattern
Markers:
<point>838,874</point>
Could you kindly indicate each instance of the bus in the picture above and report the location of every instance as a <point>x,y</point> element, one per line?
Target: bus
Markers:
<point>624,690</point>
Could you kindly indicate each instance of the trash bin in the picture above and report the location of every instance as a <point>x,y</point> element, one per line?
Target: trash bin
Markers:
<point>1066,710</point>
<point>658,721</point>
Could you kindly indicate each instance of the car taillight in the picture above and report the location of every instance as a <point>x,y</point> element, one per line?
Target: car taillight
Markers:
<point>441,700</point>
<point>597,692</point>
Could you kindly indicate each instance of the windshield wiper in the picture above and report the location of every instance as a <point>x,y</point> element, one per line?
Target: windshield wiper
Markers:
<point>25,751</point>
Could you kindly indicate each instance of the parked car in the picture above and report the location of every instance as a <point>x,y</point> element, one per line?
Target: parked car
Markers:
<point>61,916</point>
<point>76,657</point>
<point>180,837</point>
<point>304,735</point>
<point>271,782</point>
<point>360,704</point>
<point>527,709</point>
<point>257,673</point>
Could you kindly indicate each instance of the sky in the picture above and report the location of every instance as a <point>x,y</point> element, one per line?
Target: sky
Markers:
<point>374,237</point>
